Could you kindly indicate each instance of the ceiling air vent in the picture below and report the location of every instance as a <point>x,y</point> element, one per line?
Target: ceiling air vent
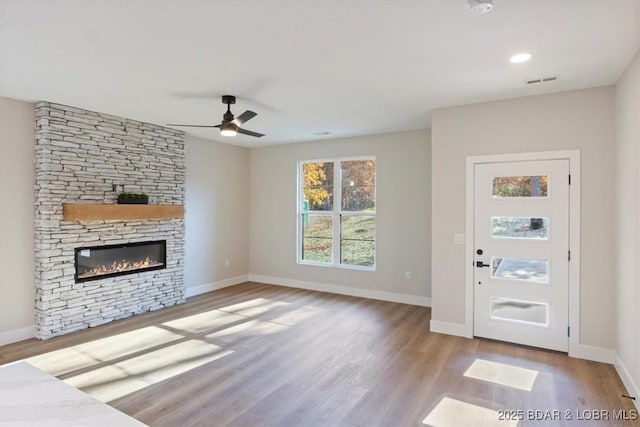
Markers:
<point>542,80</point>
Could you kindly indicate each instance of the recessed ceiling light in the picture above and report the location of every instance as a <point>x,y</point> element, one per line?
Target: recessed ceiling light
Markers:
<point>520,58</point>
<point>480,6</point>
<point>323,133</point>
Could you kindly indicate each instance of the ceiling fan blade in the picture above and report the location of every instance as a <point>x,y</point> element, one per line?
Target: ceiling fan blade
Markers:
<point>250,133</point>
<point>244,117</point>
<point>193,126</point>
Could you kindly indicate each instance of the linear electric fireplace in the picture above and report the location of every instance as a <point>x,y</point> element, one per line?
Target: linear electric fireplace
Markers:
<point>98,262</point>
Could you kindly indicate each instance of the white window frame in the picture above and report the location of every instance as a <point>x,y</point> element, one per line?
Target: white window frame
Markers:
<point>336,213</point>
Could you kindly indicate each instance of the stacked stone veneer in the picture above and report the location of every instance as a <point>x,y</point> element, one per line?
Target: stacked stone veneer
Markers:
<point>79,156</point>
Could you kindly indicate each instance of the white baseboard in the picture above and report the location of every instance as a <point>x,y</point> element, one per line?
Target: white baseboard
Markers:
<point>191,291</point>
<point>627,380</point>
<point>16,335</point>
<point>457,329</point>
<point>596,354</point>
<point>343,290</point>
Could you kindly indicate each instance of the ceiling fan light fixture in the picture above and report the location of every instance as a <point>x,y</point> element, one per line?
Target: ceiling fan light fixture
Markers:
<point>229,129</point>
<point>480,6</point>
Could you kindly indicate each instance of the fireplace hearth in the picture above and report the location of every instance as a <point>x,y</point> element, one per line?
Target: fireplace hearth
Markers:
<point>99,262</point>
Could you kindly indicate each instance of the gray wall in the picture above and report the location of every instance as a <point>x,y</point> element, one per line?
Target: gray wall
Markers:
<point>217,216</point>
<point>402,222</point>
<point>572,120</point>
<point>581,120</point>
<point>17,292</point>
<point>627,220</point>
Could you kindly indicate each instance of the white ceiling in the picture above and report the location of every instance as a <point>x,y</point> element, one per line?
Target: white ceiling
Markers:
<point>346,67</point>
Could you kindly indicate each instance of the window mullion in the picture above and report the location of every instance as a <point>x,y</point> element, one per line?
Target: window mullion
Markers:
<point>299,218</point>
<point>337,207</point>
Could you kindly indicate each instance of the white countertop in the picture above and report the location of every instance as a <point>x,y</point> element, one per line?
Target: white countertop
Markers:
<point>31,397</point>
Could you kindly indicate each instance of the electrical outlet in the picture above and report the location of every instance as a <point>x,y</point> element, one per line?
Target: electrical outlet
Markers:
<point>226,263</point>
<point>407,275</point>
<point>458,239</point>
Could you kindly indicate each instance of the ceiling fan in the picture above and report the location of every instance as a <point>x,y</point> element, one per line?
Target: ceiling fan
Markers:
<point>230,125</point>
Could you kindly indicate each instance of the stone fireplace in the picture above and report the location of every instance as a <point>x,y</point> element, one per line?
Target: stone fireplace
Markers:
<point>82,157</point>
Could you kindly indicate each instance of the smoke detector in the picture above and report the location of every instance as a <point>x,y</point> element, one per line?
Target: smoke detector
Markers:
<point>480,6</point>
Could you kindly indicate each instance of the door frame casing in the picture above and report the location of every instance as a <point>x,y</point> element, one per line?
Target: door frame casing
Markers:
<point>574,233</point>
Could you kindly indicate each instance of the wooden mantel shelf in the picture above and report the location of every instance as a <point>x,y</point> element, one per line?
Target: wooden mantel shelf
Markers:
<point>87,212</point>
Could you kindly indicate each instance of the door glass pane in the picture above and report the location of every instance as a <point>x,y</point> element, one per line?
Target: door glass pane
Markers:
<point>317,239</point>
<point>532,270</point>
<point>520,311</point>
<point>359,185</point>
<point>519,228</point>
<point>318,186</point>
<point>357,243</point>
<point>520,186</point>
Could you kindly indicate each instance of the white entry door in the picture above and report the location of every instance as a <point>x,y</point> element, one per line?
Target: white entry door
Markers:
<point>521,253</point>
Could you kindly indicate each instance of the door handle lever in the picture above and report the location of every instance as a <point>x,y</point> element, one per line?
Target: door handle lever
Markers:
<point>481,264</point>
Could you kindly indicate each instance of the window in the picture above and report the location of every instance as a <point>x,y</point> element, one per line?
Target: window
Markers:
<point>337,213</point>
<point>520,186</point>
<point>533,270</point>
<point>503,227</point>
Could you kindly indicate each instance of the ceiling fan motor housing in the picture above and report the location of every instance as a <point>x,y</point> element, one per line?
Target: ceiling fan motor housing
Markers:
<point>228,99</point>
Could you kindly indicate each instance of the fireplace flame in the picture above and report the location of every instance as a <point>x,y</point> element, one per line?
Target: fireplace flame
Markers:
<point>118,266</point>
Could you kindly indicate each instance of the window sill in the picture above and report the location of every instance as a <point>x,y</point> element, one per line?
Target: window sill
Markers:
<point>339,266</point>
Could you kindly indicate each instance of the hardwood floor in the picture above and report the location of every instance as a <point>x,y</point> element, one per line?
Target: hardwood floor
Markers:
<point>261,355</point>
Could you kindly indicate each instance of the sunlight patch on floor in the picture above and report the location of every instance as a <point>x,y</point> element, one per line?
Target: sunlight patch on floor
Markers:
<point>296,316</point>
<point>85,355</point>
<point>456,413</point>
<point>254,307</point>
<point>125,377</point>
<point>203,322</point>
<point>502,374</point>
<point>245,304</point>
<point>246,330</point>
